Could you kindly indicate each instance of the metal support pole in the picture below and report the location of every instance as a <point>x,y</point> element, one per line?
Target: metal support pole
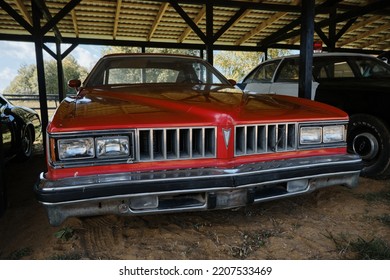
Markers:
<point>306,49</point>
<point>38,42</point>
<point>60,72</point>
<point>209,33</point>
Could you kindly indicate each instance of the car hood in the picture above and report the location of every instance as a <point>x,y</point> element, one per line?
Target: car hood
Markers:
<point>141,106</point>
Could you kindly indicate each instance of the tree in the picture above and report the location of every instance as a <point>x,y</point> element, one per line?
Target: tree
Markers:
<point>23,82</point>
<point>26,81</point>
<point>236,64</point>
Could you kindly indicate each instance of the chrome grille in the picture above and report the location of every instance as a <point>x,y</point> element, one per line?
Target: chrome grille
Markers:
<point>176,143</point>
<point>268,138</point>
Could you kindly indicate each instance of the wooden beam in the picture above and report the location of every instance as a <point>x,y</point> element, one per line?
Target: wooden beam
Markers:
<point>60,15</point>
<point>363,23</point>
<point>160,14</point>
<point>46,13</point>
<point>259,28</point>
<point>75,23</point>
<point>196,20</point>
<point>22,8</point>
<point>117,14</point>
<point>241,13</point>
<point>16,16</point>
<point>385,38</point>
<point>366,34</point>
<point>188,20</point>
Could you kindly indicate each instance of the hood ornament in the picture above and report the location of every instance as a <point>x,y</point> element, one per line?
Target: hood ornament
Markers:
<point>226,136</point>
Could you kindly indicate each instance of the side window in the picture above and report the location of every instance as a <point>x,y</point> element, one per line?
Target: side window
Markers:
<point>368,67</point>
<point>332,68</point>
<point>263,73</point>
<point>289,71</point>
<point>342,70</point>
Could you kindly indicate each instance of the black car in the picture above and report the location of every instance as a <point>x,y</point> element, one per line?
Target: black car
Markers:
<point>356,83</point>
<point>20,127</point>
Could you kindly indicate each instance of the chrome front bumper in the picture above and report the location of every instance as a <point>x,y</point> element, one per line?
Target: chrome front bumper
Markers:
<point>192,189</point>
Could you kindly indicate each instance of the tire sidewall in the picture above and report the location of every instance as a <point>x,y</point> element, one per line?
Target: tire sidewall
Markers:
<point>23,154</point>
<point>379,166</point>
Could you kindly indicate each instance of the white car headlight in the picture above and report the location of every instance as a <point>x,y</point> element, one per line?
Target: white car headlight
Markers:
<point>310,135</point>
<point>112,146</point>
<point>333,133</point>
<point>80,148</point>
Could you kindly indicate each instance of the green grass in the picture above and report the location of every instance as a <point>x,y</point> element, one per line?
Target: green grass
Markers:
<point>382,196</point>
<point>68,256</point>
<point>65,233</point>
<point>20,253</point>
<point>374,249</point>
<point>360,249</point>
<point>385,219</point>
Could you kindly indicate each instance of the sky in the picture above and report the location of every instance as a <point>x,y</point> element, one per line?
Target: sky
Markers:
<point>13,55</point>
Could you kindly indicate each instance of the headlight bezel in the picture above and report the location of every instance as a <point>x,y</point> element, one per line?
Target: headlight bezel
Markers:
<point>77,143</point>
<point>120,138</point>
<point>55,141</point>
<point>326,131</point>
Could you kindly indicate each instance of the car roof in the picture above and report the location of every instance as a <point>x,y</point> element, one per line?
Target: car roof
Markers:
<point>151,55</point>
<point>324,54</point>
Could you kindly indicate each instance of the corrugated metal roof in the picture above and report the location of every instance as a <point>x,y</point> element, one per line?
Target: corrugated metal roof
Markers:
<point>158,21</point>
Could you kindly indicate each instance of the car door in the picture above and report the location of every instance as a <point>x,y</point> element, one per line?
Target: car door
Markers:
<point>6,131</point>
<point>286,80</point>
<point>260,79</point>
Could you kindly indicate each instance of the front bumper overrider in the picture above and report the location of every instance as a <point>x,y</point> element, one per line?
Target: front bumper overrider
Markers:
<point>192,189</point>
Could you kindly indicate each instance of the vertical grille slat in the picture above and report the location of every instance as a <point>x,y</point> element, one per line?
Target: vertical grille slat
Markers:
<point>176,143</point>
<point>267,138</point>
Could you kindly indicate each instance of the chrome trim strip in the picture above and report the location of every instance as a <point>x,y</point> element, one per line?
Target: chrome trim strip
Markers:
<point>189,174</point>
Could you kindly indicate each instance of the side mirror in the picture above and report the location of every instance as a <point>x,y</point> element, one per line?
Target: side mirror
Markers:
<point>74,84</point>
<point>5,110</point>
<point>232,82</point>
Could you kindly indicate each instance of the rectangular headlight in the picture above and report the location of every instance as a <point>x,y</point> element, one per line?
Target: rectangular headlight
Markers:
<point>333,133</point>
<point>116,146</point>
<point>310,135</point>
<point>80,148</point>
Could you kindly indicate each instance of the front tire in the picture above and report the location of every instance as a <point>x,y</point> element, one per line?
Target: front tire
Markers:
<point>26,147</point>
<point>369,137</point>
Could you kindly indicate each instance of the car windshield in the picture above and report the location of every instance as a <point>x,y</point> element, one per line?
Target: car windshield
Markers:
<point>127,70</point>
<point>329,68</point>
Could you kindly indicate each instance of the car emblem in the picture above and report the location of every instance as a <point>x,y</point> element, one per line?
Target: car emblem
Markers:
<point>226,136</point>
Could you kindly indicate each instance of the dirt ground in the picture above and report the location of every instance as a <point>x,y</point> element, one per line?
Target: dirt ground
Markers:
<point>322,225</point>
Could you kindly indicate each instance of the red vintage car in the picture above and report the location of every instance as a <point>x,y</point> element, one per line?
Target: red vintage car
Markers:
<point>149,133</point>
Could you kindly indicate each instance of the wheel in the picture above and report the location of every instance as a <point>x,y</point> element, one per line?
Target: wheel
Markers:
<point>369,137</point>
<point>26,146</point>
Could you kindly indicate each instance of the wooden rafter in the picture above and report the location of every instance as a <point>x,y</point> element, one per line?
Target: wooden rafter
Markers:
<point>363,23</point>
<point>75,24</point>
<point>366,34</point>
<point>188,30</point>
<point>246,13</point>
<point>117,14</point>
<point>156,22</point>
<point>385,38</point>
<point>160,14</point>
<point>263,25</point>
<point>23,9</point>
<point>259,28</point>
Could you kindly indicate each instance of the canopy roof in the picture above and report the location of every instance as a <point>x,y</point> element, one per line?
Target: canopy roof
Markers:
<point>244,24</point>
